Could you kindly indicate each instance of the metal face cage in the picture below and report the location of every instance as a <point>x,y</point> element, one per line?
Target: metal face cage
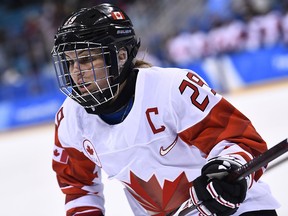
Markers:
<point>82,71</point>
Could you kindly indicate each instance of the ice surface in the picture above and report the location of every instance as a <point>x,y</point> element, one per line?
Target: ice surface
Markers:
<point>28,184</point>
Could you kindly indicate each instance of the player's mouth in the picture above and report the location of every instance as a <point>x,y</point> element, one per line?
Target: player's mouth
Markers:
<point>83,87</point>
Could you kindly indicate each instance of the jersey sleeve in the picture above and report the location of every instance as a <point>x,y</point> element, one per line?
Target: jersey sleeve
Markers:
<point>208,121</point>
<point>79,179</point>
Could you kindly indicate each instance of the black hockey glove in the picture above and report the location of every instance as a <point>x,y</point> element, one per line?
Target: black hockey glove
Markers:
<point>211,194</point>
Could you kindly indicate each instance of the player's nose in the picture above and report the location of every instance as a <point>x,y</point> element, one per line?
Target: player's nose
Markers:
<point>76,68</point>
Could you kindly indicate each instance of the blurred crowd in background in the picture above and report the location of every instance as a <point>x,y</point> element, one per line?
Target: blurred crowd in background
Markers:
<point>27,31</point>
<point>173,33</point>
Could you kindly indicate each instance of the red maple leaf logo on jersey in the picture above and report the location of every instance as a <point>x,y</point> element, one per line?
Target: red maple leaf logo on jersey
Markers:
<point>90,150</point>
<point>56,153</point>
<point>156,199</point>
<point>60,155</point>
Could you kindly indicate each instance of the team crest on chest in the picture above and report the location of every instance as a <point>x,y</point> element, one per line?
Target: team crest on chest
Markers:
<point>91,152</point>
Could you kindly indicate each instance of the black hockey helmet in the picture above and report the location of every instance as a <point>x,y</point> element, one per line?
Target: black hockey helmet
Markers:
<point>101,30</point>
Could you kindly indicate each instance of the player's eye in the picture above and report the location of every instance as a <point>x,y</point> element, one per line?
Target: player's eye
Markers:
<point>85,60</point>
<point>70,62</point>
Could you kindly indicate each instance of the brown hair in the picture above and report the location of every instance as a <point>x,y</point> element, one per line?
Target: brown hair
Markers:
<point>142,64</point>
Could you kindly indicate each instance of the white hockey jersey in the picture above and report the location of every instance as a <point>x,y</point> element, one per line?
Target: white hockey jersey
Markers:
<point>175,125</point>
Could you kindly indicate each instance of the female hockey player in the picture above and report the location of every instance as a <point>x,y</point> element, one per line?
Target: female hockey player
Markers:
<point>162,132</point>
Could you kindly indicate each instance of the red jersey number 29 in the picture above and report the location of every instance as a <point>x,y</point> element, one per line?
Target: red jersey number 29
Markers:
<point>195,85</point>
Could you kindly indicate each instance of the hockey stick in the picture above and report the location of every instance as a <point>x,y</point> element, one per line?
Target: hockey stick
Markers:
<point>276,164</point>
<point>243,171</point>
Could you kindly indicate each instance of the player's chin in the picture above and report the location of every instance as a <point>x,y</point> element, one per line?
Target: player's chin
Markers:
<point>88,90</point>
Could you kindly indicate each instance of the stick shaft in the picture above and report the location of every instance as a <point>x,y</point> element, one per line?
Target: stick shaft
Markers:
<point>260,161</point>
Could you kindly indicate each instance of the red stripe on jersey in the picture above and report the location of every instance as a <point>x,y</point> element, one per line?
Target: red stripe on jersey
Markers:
<point>85,211</point>
<point>78,172</point>
<point>224,122</point>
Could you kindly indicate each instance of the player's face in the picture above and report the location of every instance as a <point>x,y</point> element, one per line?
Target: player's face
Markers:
<point>87,70</point>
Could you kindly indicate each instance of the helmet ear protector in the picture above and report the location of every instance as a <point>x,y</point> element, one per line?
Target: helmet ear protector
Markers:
<point>102,32</point>
<point>123,68</point>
